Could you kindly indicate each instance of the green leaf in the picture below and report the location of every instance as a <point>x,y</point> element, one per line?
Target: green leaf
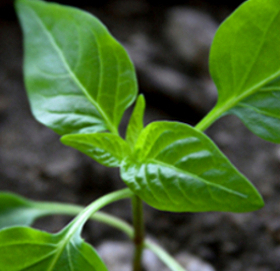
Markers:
<point>107,149</point>
<point>177,168</point>
<point>79,79</point>
<point>23,248</point>
<point>244,50</point>
<point>260,112</point>
<point>135,125</point>
<point>15,210</point>
<point>244,61</point>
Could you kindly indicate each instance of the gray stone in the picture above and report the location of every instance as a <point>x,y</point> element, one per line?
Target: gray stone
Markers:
<point>192,263</point>
<point>118,256</point>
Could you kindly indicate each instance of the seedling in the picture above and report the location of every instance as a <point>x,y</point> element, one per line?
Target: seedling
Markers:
<point>80,81</point>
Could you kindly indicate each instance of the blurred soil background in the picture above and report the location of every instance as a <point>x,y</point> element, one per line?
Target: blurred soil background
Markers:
<point>169,44</point>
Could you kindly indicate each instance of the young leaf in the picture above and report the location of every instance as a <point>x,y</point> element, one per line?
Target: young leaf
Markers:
<point>23,248</point>
<point>78,77</point>
<point>243,62</point>
<point>135,125</point>
<point>177,168</point>
<point>107,149</point>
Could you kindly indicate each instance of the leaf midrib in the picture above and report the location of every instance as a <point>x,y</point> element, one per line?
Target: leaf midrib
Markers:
<point>58,252</point>
<point>236,100</point>
<point>249,71</point>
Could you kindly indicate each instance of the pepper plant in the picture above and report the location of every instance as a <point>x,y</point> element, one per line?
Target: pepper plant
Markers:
<point>80,81</point>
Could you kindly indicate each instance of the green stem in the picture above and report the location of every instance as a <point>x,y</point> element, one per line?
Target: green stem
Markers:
<point>55,208</point>
<point>211,117</point>
<point>220,110</point>
<point>138,238</point>
<point>76,225</point>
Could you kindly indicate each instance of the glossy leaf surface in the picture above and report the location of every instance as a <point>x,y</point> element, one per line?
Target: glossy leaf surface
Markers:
<point>135,125</point>
<point>244,62</point>
<point>177,168</point>
<point>107,149</point>
<point>23,248</point>
<point>78,77</point>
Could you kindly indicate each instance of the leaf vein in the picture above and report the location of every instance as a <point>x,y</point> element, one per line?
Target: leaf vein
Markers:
<point>164,188</point>
<point>82,255</point>
<point>148,184</point>
<point>101,70</point>
<point>198,178</point>
<point>260,111</point>
<point>38,260</point>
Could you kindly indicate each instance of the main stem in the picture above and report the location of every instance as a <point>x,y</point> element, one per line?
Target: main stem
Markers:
<point>138,238</point>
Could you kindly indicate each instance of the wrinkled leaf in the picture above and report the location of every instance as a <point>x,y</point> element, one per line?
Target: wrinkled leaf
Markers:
<point>107,149</point>
<point>135,125</point>
<point>244,62</point>
<point>177,168</point>
<point>23,248</point>
<point>78,77</point>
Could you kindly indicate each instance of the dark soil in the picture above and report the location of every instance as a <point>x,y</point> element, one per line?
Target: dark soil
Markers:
<point>33,162</point>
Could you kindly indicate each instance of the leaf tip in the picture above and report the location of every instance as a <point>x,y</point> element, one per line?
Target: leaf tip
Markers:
<point>253,205</point>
